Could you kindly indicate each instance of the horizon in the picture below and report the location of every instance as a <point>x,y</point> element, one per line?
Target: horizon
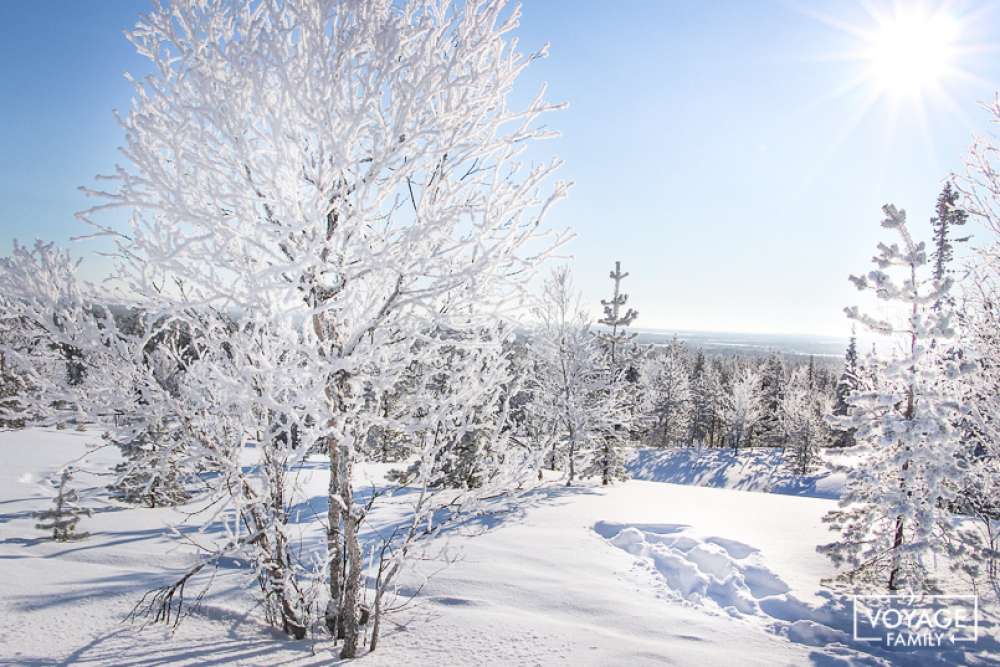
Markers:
<point>687,169</point>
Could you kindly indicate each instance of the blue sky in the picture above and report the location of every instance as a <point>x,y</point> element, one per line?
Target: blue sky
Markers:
<point>711,152</point>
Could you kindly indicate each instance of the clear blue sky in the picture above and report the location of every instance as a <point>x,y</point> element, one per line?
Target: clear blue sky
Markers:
<point>711,151</point>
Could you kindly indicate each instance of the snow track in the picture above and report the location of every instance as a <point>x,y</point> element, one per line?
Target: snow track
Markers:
<point>725,577</point>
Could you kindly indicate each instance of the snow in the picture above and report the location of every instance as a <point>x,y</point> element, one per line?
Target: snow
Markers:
<point>754,469</point>
<point>639,573</point>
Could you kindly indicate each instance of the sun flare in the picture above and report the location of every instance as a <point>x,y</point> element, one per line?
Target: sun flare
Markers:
<point>909,53</point>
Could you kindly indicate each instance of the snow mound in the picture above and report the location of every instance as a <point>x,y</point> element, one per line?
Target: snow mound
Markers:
<point>766,470</point>
<point>715,572</point>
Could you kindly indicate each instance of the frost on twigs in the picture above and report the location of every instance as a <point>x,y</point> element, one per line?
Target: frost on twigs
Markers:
<point>327,198</point>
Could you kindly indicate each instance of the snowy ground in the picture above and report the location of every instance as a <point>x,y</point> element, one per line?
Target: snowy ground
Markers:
<point>642,573</point>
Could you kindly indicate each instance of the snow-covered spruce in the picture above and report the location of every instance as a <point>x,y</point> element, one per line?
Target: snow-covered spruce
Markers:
<point>895,512</point>
<point>849,381</point>
<point>65,512</point>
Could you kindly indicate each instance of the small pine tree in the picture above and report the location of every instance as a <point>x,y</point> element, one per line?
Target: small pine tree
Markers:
<point>849,382</point>
<point>619,337</point>
<point>65,513</point>
<point>624,359</point>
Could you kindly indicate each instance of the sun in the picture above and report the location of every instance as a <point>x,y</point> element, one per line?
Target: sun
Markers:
<point>910,53</point>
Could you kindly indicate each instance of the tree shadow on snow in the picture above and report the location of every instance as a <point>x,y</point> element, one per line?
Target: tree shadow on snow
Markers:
<point>747,470</point>
<point>129,647</point>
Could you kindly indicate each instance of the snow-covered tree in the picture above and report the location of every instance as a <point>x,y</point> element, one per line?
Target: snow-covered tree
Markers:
<point>772,378</point>
<point>12,385</point>
<point>708,403</point>
<point>743,408</point>
<point>668,394</point>
<point>65,512</point>
<point>894,511</point>
<point>322,192</point>
<point>579,396</point>
<point>849,381</point>
<point>625,360</point>
<point>618,338</point>
<point>978,545</point>
<point>803,409</point>
<point>153,473</point>
<point>980,316</point>
<point>466,452</point>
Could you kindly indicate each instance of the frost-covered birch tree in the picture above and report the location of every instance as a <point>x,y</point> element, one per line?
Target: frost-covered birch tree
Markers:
<point>744,408</point>
<point>343,180</point>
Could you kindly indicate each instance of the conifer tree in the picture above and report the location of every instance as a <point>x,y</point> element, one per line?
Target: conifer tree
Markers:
<point>708,404</point>
<point>624,360</point>
<point>12,384</point>
<point>153,473</point>
<point>947,216</point>
<point>619,337</point>
<point>772,392</point>
<point>669,399</point>
<point>65,512</point>
<point>849,381</point>
<point>894,514</point>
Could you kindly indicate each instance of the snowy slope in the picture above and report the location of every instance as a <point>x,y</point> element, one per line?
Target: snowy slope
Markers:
<point>756,469</point>
<point>642,573</point>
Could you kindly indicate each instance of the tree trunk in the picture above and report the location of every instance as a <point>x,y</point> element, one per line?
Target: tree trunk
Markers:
<point>897,542</point>
<point>572,456</point>
<point>334,550</point>
<point>349,602</point>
